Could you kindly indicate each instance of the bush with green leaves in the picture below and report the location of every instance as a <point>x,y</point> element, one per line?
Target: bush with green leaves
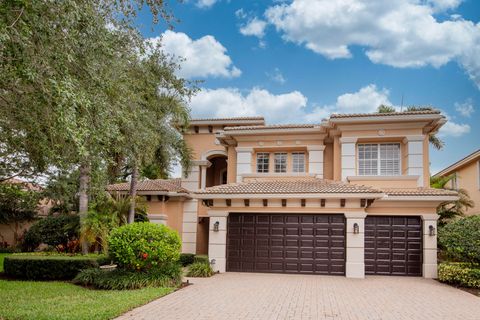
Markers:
<point>53,230</point>
<point>460,239</point>
<point>186,259</point>
<point>200,269</point>
<point>201,258</point>
<point>460,273</point>
<point>48,267</point>
<point>121,279</point>
<point>143,246</point>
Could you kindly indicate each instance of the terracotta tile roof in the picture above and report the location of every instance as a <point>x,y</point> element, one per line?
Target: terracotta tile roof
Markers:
<point>404,113</point>
<point>273,126</point>
<point>173,185</point>
<point>287,186</point>
<point>228,119</point>
<point>419,192</point>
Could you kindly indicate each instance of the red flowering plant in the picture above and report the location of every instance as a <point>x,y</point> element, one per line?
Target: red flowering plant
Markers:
<point>143,246</point>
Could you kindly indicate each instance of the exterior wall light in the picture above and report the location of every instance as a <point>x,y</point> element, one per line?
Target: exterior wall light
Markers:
<point>215,226</point>
<point>356,228</point>
<point>431,230</point>
<point>213,261</point>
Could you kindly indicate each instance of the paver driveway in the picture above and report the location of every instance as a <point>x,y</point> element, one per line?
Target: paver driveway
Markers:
<point>278,296</point>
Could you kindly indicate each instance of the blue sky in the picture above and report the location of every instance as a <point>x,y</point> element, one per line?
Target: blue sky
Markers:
<point>298,61</point>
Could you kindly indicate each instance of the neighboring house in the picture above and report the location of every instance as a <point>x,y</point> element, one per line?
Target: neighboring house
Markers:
<point>7,230</point>
<point>349,196</point>
<point>466,175</point>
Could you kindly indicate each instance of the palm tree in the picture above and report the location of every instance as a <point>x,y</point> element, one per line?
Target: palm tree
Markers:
<point>435,141</point>
<point>451,209</point>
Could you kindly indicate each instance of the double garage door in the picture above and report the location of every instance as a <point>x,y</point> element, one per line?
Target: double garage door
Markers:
<point>315,244</point>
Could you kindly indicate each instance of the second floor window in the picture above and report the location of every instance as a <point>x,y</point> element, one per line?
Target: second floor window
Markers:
<point>298,162</point>
<point>262,162</point>
<point>281,162</point>
<point>379,159</point>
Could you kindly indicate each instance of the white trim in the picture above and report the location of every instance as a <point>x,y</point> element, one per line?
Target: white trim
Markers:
<point>277,174</point>
<point>290,196</point>
<point>379,159</point>
<point>315,147</point>
<point>252,121</point>
<point>247,132</point>
<point>214,152</point>
<point>348,139</point>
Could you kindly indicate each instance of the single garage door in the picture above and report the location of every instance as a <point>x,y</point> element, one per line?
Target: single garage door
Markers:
<point>286,243</point>
<point>393,245</point>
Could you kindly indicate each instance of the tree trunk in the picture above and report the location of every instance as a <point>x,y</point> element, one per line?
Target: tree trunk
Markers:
<point>133,194</point>
<point>83,198</point>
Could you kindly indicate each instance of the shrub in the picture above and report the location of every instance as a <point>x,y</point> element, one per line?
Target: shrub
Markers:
<point>460,239</point>
<point>462,274</point>
<point>201,258</point>
<point>186,259</point>
<point>57,231</point>
<point>47,267</point>
<point>200,269</point>
<point>143,245</point>
<point>121,279</point>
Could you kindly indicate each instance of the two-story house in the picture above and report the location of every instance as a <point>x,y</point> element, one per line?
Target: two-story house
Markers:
<point>465,175</point>
<point>348,196</point>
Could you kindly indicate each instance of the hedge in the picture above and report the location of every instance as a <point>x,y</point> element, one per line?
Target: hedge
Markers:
<point>48,267</point>
<point>201,258</point>
<point>460,273</point>
<point>120,279</point>
<point>186,259</point>
<point>460,239</point>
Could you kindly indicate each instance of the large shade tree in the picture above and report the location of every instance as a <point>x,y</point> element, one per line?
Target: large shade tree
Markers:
<point>66,70</point>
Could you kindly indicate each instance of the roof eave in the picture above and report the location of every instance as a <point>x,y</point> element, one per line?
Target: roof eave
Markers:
<point>364,195</point>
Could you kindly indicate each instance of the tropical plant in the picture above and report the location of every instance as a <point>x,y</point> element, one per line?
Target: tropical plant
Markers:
<point>434,140</point>
<point>451,209</point>
<point>18,205</point>
<point>106,213</point>
<point>144,246</point>
<point>460,239</point>
<point>200,269</point>
<point>56,231</point>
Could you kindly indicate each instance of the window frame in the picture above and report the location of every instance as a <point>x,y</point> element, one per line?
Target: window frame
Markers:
<point>303,163</point>
<point>379,159</point>
<point>267,163</point>
<point>285,162</point>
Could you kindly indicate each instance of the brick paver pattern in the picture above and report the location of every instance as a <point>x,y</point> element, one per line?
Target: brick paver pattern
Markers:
<point>278,296</point>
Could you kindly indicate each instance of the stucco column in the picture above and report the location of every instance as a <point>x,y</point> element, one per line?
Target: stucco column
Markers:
<point>158,218</point>
<point>415,157</point>
<point>244,161</point>
<point>217,240</point>
<point>429,268</point>
<point>348,156</point>
<point>355,262</point>
<point>315,160</point>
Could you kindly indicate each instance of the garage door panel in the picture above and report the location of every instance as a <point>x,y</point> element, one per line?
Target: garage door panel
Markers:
<point>290,243</point>
<point>400,254</point>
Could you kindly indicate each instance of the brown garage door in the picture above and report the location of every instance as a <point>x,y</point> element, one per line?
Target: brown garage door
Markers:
<point>393,245</point>
<point>286,243</point>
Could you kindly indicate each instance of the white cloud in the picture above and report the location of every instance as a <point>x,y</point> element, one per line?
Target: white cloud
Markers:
<point>399,33</point>
<point>231,102</point>
<point>276,76</point>
<point>453,129</point>
<point>203,57</point>
<point>466,108</point>
<point>442,5</point>
<point>254,27</point>
<point>282,108</point>
<point>206,3</point>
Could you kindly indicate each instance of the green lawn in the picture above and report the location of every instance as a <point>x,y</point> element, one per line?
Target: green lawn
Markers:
<point>2,256</point>
<point>61,300</point>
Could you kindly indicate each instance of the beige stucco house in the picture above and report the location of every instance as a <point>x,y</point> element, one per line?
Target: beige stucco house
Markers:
<point>466,175</point>
<point>348,196</point>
